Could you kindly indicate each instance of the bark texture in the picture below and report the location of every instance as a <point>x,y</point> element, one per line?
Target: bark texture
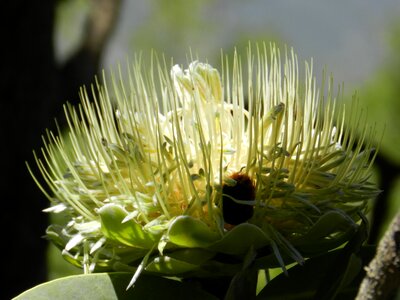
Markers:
<point>382,278</point>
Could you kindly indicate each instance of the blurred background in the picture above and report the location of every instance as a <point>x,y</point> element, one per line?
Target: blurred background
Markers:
<point>54,47</point>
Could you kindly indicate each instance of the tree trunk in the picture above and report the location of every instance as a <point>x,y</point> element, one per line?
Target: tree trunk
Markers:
<point>33,90</point>
<point>28,91</point>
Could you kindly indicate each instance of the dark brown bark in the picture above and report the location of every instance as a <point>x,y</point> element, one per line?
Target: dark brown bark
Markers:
<point>382,280</point>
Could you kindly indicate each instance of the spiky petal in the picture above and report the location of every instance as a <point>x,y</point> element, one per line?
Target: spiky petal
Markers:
<point>160,178</point>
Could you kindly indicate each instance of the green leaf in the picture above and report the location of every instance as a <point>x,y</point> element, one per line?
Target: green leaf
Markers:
<point>243,285</point>
<point>112,286</point>
<point>128,233</point>
<point>195,256</point>
<point>167,265</point>
<point>330,222</point>
<point>319,238</point>
<point>348,265</point>
<point>305,282</point>
<point>180,261</point>
<point>188,232</point>
<point>239,240</point>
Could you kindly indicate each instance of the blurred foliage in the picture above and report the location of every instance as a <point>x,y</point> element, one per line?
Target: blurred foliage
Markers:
<point>171,25</point>
<point>68,34</point>
<point>174,30</point>
<point>58,266</point>
<point>381,96</point>
<point>394,204</point>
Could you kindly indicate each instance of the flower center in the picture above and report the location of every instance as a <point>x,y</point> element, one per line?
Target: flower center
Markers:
<point>233,194</point>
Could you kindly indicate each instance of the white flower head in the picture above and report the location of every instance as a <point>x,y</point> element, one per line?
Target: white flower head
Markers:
<point>166,178</point>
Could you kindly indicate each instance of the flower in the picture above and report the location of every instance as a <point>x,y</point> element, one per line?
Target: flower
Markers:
<point>186,173</point>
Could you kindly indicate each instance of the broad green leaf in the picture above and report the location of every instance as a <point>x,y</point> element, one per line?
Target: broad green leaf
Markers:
<point>195,256</point>
<point>128,233</point>
<point>112,286</point>
<point>268,260</point>
<point>353,268</point>
<point>167,265</point>
<point>180,261</point>
<point>304,282</point>
<point>243,285</point>
<point>188,232</point>
<point>348,265</point>
<point>316,247</point>
<point>319,238</point>
<point>327,224</point>
<point>240,239</point>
